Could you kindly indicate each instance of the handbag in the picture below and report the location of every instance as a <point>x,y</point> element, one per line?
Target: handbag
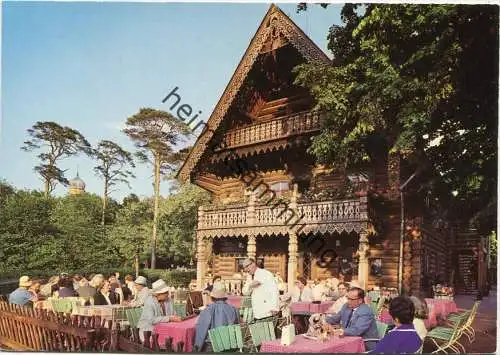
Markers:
<point>287,334</point>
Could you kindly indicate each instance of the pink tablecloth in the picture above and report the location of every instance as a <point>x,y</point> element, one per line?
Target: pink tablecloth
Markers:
<point>320,308</point>
<point>181,331</point>
<point>309,307</point>
<point>304,345</point>
<point>442,307</point>
<point>234,301</point>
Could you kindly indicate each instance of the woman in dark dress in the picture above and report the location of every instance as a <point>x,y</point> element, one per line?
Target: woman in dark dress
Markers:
<point>104,295</point>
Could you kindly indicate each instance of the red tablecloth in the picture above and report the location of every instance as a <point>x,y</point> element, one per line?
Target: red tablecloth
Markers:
<point>304,345</point>
<point>442,307</point>
<point>309,307</point>
<point>234,301</point>
<point>181,331</point>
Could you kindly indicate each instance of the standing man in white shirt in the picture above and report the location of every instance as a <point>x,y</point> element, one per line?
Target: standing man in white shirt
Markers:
<point>264,289</point>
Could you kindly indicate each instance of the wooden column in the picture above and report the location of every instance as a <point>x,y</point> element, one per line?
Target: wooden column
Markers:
<point>292,244</point>
<point>201,263</point>
<point>251,247</point>
<point>292,260</point>
<point>363,267</point>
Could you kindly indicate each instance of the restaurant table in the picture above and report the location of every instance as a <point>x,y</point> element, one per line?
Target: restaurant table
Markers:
<point>234,300</point>
<point>304,345</point>
<point>179,331</point>
<point>442,307</point>
<point>307,308</point>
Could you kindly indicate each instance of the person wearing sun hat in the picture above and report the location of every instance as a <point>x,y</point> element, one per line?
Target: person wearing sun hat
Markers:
<point>22,296</point>
<point>218,313</point>
<point>152,312</point>
<point>142,291</point>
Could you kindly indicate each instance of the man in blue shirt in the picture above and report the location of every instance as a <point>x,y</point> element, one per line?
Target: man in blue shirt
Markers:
<point>215,315</point>
<point>356,318</point>
<point>22,296</point>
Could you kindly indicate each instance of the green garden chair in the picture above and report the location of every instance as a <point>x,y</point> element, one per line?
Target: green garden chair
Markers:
<point>260,332</point>
<point>62,305</point>
<point>448,338</point>
<point>247,315</point>
<point>381,331</point>
<point>225,338</point>
<point>246,302</point>
<point>133,315</point>
<point>467,328</point>
<point>180,309</point>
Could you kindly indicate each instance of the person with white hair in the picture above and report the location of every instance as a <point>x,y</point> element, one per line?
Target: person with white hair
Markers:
<point>264,290</point>
<point>142,291</point>
<point>152,312</point>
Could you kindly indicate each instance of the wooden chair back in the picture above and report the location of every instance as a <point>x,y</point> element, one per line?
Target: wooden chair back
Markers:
<point>261,332</point>
<point>224,338</point>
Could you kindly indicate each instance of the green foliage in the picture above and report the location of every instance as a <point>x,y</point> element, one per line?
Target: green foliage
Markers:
<point>405,76</point>
<point>177,222</point>
<point>57,143</point>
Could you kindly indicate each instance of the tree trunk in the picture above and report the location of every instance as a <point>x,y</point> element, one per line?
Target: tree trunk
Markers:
<point>46,187</point>
<point>155,215</point>
<point>104,201</point>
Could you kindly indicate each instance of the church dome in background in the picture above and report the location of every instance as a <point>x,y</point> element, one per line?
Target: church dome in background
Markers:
<point>76,186</point>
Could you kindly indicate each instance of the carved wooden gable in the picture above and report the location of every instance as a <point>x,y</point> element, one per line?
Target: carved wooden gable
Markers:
<point>275,31</point>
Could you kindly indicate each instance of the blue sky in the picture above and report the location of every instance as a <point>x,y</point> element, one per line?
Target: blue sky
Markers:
<point>91,65</point>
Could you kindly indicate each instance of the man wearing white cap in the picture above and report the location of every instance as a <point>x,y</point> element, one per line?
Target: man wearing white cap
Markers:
<point>218,313</point>
<point>153,312</point>
<point>264,289</point>
<point>142,291</point>
<point>21,295</point>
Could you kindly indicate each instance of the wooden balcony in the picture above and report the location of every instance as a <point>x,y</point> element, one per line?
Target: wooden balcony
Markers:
<point>278,128</point>
<point>282,218</point>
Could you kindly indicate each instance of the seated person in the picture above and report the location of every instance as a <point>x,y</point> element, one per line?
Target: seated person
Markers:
<point>216,278</point>
<point>337,306</point>
<point>152,312</point>
<point>356,318</point>
<point>22,296</point>
<point>141,291</point>
<point>66,288</point>
<point>301,292</point>
<point>218,313</point>
<point>320,291</point>
<point>104,295</point>
<point>403,338</point>
<point>421,313</point>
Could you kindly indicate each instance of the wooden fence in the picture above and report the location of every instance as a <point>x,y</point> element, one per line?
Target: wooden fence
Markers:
<point>27,329</point>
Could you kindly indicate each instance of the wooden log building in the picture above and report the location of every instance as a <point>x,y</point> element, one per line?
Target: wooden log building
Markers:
<point>273,202</point>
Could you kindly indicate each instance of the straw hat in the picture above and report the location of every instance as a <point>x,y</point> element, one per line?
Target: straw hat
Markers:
<point>159,287</point>
<point>219,290</point>
<point>141,280</point>
<point>24,281</point>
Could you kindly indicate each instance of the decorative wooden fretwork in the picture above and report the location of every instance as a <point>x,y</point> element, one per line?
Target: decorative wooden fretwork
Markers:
<point>275,21</point>
<point>286,126</point>
<point>315,217</point>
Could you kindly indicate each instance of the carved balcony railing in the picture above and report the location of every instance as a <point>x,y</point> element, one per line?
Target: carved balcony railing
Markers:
<point>274,129</point>
<point>283,214</point>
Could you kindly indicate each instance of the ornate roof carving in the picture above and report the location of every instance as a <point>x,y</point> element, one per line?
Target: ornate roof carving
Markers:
<point>275,21</point>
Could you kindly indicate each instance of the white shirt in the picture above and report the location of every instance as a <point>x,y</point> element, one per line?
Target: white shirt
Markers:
<point>302,296</point>
<point>420,327</point>
<point>265,298</point>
